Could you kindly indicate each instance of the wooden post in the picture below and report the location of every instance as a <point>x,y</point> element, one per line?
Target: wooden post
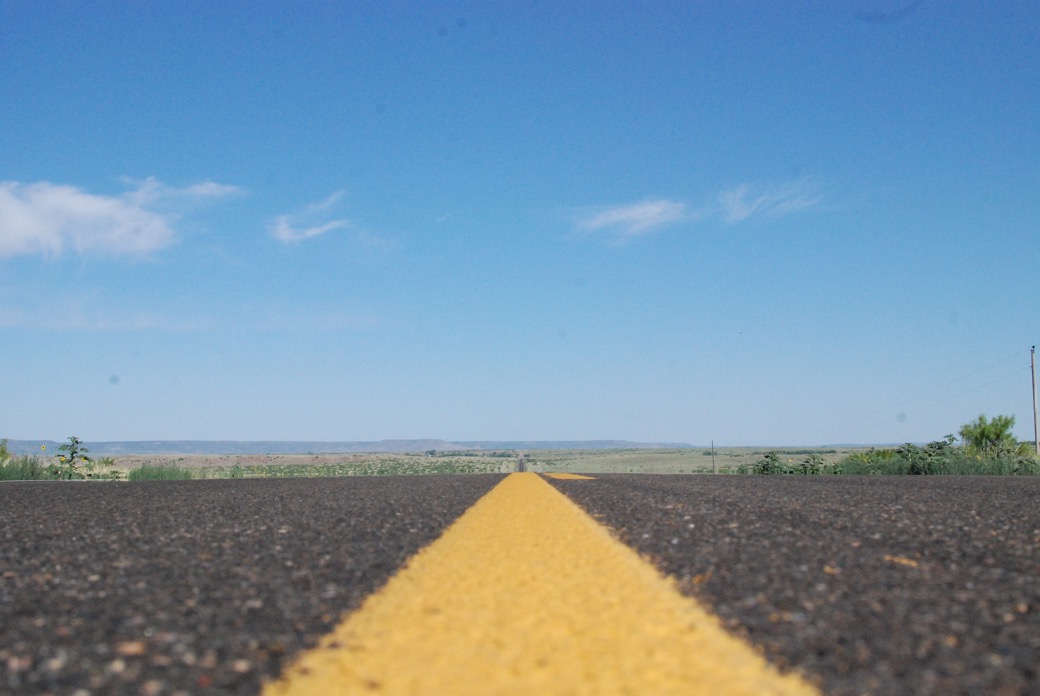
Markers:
<point>1036,418</point>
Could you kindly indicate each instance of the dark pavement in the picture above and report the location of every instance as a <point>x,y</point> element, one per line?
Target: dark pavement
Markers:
<point>874,585</point>
<point>907,585</point>
<point>197,587</point>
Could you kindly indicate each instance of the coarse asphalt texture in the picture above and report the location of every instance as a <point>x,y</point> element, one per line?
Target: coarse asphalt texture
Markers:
<point>869,585</point>
<point>527,594</point>
<point>197,587</point>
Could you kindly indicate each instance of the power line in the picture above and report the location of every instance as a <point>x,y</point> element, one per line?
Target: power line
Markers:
<point>896,406</point>
<point>973,389</point>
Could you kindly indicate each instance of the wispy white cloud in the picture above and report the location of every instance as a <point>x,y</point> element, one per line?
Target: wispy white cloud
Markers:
<point>627,221</point>
<point>747,201</point>
<point>152,192</point>
<point>211,189</point>
<point>45,218</point>
<point>284,231</point>
<point>308,222</point>
<point>744,202</point>
<point>50,219</point>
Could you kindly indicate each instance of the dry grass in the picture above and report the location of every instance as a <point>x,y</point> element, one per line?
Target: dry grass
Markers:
<point>650,461</point>
<point>669,461</point>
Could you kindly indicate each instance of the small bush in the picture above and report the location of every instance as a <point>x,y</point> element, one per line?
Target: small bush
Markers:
<point>160,473</point>
<point>940,457</point>
<point>769,465</point>
<point>812,465</point>
<point>23,468</point>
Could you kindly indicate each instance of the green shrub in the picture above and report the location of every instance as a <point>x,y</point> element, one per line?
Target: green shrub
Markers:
<point>873,462</point>
<point>812,465</point>
<point>938,458</point>
<point>24,468</point>
<point>160,473</point>
<point>769,465</point>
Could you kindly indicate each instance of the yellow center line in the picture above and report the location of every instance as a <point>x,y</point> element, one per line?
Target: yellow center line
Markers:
<point>527,594</point>
<point>563,475</point>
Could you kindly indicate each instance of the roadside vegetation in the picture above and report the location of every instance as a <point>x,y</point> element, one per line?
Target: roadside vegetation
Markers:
<point>160,473</point>
<point>984,447</point>
<point>70,463</point>
<point>383,466</point>
<point>987,448</point>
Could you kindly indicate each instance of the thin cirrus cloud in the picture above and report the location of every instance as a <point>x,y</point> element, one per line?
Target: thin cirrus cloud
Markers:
<point>150,191</point>
<point>625,222</point>
<point>309,222</point>
<point>739,204</point>
<point>747,201</point>
<point>50,219</point>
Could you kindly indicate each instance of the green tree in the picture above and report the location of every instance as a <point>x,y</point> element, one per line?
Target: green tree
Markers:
<point>991,438</point>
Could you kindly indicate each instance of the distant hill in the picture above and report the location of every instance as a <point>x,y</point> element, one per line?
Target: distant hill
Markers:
<point>107,449</point>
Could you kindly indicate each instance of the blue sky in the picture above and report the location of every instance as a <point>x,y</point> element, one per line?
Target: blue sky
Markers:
<point>750,222</point>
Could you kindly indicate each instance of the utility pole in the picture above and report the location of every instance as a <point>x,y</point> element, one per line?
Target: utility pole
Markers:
<point>713,453</point>
<point>1036,418</point>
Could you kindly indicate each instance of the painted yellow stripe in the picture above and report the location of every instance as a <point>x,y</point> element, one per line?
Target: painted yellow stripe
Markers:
<point>526,594</point>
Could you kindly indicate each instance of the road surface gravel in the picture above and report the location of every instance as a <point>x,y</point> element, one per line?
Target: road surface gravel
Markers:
<point>908,585</point>
<point>872,585</point>
<point>197,587</point>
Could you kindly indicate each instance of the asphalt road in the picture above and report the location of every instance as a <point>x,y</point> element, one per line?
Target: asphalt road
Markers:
<point>868,585</point>
<point>901,585</point>
<point>197,587</point>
